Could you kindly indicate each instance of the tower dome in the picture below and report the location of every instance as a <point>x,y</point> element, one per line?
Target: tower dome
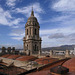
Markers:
<point>32,20</point>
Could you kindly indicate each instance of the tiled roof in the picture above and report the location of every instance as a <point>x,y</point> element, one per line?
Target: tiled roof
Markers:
<point>70,64</point>
<point>40,73</point>
<point>13,56</point>
<point>49,73</point>
<point>12,70</point>
<point>45,60</point>
<point>3,64</point>
<point>46,70</point>
<point>26,58</point>
<point>6,55</point>
<point>59,69</point>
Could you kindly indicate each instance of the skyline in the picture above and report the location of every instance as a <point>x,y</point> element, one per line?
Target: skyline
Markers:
<point>56,19</point>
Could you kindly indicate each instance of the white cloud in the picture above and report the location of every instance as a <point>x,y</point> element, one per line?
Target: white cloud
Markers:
<point>64,5</point>
<point>67,10</point>
<point>11,3</point>
<point>17,38</point>
<point>27,10</point>
<point>7,19</point>
<point>17,34</point>
<point>66,36</point>
<point>61,18</point>
<point>57,30</point>
<point>56,36</point>
<point>66,21</point>
<point>3,16</point>
<point>16,21</point>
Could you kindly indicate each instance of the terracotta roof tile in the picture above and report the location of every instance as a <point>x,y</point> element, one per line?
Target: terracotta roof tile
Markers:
<point>70,64</point>
<point>46,70</point>
<point>49,73</point>
<point>59,69</point>
<point>12,70</point>
<point>6,55</point>
<point>40,73</point>
<point>13,56</point>
<point>3,63</point>
<point>26,58</point>
<point>45,60</point>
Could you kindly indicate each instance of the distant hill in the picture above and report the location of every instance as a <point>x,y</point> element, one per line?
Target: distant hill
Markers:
<point>63,47</point>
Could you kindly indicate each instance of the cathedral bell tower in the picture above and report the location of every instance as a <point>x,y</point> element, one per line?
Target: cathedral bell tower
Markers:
<point>32,40</point>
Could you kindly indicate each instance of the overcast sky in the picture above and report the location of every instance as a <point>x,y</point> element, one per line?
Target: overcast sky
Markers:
<point>56,19</point>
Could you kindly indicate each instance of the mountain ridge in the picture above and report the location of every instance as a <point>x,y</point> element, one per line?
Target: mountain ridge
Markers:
<point>62,47</point>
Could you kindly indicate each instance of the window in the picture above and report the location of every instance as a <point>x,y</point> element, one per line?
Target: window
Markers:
<point>35,31</point>
<point>30,30</point>
<point>27,46</point>
<point>27,31</point>
<point>35,47</point>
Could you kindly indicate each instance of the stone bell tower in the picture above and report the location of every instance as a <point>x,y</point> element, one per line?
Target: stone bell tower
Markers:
<point>32,40</point>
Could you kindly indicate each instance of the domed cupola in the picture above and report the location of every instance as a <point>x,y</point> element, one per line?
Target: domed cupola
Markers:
<point>32,20</point>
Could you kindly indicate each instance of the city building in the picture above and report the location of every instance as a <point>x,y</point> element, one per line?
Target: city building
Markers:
<point>32,40</point>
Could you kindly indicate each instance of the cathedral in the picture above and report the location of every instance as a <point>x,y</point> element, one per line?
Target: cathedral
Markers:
<point>32,40</point>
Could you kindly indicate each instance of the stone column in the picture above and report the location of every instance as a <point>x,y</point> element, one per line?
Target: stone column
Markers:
<point>32,31</point>
<point>51,53</point>
<point>30,47</point>
<point>67,53</point>
<point>39,52</point>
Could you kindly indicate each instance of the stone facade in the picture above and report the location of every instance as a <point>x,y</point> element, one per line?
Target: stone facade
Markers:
<point>32,40</point>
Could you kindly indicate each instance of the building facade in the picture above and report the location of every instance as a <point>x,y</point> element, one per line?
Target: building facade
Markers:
<point>32,40</point>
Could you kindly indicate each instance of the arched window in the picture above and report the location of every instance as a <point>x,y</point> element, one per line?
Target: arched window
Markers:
<point>35,47</point>
<point>27,31</point>
<point>35,31</point>
<point>30,30</point>
<point>27,46</point>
